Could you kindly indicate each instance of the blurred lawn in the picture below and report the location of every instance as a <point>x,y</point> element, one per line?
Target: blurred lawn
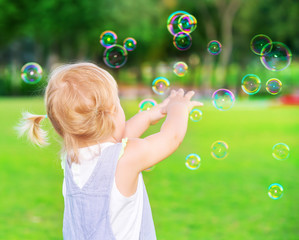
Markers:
<point>223,199</point>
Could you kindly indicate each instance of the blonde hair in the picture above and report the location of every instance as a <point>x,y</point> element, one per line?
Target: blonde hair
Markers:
<point>80,101</point>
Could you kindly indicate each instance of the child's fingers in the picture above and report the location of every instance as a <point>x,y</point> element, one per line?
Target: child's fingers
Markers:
<point>180,92</point>
<point>189,95</point>
<point>196,104</point>
<point>164,103</point>
<point>172,93</point>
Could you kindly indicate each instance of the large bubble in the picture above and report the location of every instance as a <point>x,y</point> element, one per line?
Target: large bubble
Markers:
<point>251,84</point>
<point>187,23</point>
<point>214,47</point>
<point>180,68</point>
<point>173,22</point>
<point>278,58</point>
<point>273,86</point>
<point>195,115</point>
<point>275,191</point>
<point>192,161</point>
<point>182,41</point>
<point>219,150</point>
<point>258,42</point>
<point>147,104</point>
<point>280,151</point>
<point>130,44</point>
<point>223,99</point>
<point>31,73</point>
<point>160,85</point>
<point>108,38</point>
<point>115,56</point>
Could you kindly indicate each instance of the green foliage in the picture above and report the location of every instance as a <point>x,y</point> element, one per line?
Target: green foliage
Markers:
<point>223,199</point>
<point>66,31</point>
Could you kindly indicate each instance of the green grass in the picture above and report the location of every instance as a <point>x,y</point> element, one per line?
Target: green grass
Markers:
<point>223,199</point>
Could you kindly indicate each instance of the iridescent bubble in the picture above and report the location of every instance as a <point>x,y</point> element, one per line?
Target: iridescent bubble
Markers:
<point>173,22</point>
<point>115,56</point>
<point>149,169</point>
<point>180,69</point>
<point>192,161</point>
<point>280,151</point>
<point>195,115</point>
<point>147,104</point>
<point>251,84</point>
<point>214,47</point>
<point>273,86</point>
<point>219,150</point>
<point>279,58</point>
<point>275,191</point>
<point>31,73</point>
<point>258,42</point>
<point>223,99</point>
<point>160,85</point>
<point>108,38</point>
<point>130,44</point>
<point>187,23</point>
<point>182,41</point>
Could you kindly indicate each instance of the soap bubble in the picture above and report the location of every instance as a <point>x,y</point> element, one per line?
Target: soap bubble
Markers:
<point>223,99</point>
<point>251,84</point>
<point>115,56</point>
<point>160,85</point>
<point>195,115</point>
<point>173,22</point>
<point>219,150</point>
<point>279,58</point>
<point>147,104</point>
<point>187,23</point>
<point>130,44</point>
<point>280,151</point>
<point>108,38</point>
<point>273,86</point>
<point>275,191</point>
<point>182,41</point>
<point>180,69</point>
<point>192,161</point>
<point>31,73</point>
<point>258,42</point>
<point>214,47</point>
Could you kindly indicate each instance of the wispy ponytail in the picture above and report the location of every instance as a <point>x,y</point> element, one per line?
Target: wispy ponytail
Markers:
<point>30,126</point>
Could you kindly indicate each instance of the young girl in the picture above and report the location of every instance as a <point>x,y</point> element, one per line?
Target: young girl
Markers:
<point>104,194</point>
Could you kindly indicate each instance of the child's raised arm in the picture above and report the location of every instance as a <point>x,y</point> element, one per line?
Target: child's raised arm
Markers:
<point>140,122</point>
<point>141,154</point>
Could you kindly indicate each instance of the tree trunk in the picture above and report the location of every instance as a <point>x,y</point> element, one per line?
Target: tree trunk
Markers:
<point>229,12</point>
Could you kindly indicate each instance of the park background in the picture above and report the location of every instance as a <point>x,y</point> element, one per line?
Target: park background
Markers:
<point>223,199</point>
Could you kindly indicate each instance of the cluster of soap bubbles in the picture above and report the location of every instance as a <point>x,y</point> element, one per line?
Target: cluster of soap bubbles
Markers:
<point>31,73</point>
<point>181,24</point>
<point>275,56</point>
<point>219,151</point>
<point>251,84</point>
<point>115,55</point>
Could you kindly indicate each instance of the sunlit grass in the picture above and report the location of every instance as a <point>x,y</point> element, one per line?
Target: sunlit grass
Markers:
<point>223,199</point>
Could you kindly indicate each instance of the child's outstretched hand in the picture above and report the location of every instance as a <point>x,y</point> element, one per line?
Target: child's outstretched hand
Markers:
<point>157,112</point>
<point>179,97</point>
